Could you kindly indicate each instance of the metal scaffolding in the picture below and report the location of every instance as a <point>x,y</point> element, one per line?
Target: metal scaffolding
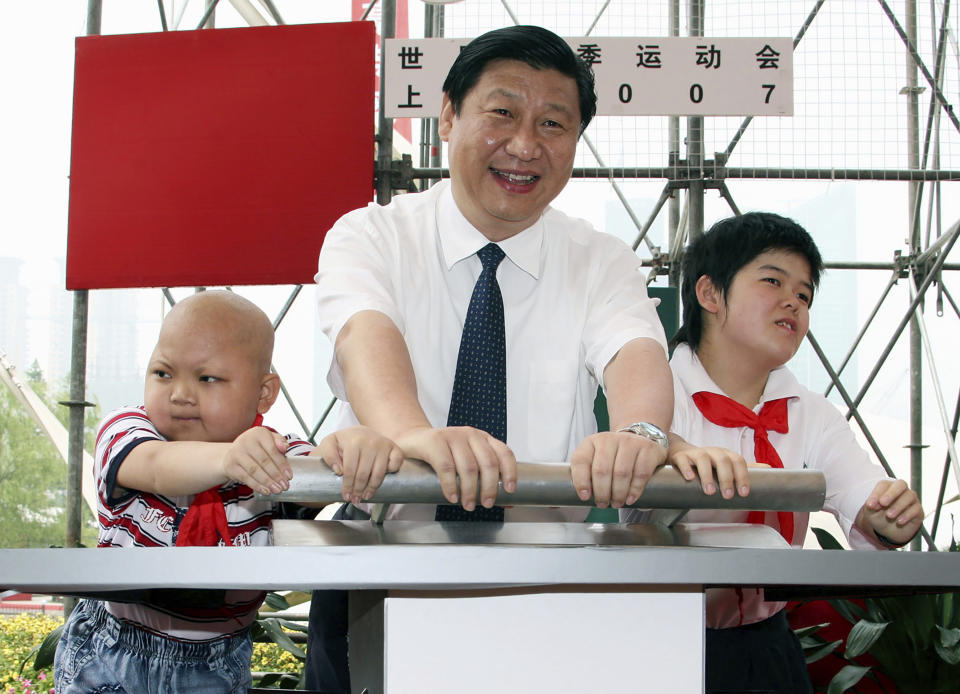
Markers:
<point>690,174</point>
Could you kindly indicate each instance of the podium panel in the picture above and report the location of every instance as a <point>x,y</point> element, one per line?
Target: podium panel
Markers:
<point>559,640</point>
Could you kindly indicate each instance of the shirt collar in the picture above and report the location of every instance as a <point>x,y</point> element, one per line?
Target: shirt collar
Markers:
<point>687,368</point>
<point>459,239</point>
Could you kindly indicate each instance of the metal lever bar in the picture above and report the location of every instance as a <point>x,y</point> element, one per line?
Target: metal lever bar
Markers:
<point>547,484</point>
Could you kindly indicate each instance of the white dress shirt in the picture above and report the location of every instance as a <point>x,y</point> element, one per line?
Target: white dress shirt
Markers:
<point>572,298</point>
<point>818,438</point>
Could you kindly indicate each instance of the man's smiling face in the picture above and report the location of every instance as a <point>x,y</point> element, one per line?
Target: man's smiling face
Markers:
<point>512,145</point>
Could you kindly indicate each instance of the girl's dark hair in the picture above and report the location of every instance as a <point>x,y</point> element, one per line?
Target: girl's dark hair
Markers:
<point>537,47</point>
<point>728,246</point>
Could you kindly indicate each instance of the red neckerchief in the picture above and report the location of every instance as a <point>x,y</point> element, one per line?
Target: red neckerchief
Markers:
<point>205,523</point>
<point>725,412</point>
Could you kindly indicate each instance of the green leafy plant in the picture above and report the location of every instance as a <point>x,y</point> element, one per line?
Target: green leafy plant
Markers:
<point>281,632</point>
<point>33,483</point>
<point>911,641</point>
<point>19,635</point>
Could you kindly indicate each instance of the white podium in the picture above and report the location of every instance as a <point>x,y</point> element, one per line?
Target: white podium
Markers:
<point>562,640</point>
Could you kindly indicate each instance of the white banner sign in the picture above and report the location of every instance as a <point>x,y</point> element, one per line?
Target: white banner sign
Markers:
<point>667,76</point>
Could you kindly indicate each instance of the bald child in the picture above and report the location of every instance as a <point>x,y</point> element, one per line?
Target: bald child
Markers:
<point>183,469</point>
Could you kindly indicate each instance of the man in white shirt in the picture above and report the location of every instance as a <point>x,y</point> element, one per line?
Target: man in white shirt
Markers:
<point>395,282</point>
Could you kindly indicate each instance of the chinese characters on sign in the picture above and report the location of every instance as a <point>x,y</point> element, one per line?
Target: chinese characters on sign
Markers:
<point>649,55</point>
<point>661,76</point>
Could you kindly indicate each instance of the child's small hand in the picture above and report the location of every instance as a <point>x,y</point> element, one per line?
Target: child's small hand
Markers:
<point>731,468</point>
<point>256,459</point>
<point>892,510</point>
<point>363,457</point>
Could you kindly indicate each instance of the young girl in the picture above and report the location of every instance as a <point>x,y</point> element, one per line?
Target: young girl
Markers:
<point>748,284</point>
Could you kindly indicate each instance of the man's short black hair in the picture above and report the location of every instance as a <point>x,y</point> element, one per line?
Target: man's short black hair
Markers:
<point>537,47</point>
<point>728,246</point>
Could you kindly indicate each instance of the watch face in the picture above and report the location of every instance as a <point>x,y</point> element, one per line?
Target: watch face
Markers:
<point>649,431</point>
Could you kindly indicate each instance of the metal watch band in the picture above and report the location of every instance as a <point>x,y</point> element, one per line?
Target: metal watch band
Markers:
<point>648,431</point>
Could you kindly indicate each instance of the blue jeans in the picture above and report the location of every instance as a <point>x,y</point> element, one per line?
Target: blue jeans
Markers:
<point>98,653</point>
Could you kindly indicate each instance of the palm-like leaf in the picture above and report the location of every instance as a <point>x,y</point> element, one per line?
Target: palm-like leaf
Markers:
<point>846,678</point>
<point>862,637</point>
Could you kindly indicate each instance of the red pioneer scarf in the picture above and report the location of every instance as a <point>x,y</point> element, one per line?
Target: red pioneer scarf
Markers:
<point>205,523</point>
<point>725,412</point>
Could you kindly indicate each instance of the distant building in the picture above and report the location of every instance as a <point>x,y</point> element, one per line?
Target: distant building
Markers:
<point>36,324</point>
<point>114,360</point>
<point>13,338</point>
<point>49,326</point>
<point>834,321</point>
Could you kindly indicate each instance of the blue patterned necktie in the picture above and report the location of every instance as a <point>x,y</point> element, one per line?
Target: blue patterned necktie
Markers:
<point>480,386</point>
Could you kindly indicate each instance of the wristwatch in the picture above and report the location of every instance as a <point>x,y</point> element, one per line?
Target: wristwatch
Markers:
<point>649,431</point>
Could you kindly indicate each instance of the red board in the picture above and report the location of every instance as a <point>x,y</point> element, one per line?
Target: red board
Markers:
<point>219,156</point>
